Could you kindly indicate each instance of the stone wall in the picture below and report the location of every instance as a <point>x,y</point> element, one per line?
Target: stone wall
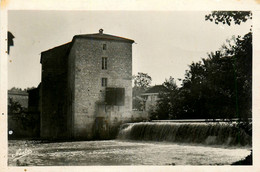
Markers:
<point>88,100</point>
<point>54,116</point>
<point>73,99</point>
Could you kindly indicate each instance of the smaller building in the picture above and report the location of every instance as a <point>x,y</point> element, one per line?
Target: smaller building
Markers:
<point>23,113</point>
<point>18,96</point>
<point>151,96</point>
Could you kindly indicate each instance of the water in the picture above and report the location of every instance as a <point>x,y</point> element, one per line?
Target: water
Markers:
<point>142,144</point>
<point>202,133</point>
<point>116,152</point>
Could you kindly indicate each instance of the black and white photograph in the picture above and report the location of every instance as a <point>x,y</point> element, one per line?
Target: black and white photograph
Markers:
<point>130,88</point>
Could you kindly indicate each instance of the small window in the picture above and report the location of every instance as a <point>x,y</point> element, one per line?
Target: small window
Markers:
<point>104,82</point>
<point>104,63</point>
<point>104,46</point>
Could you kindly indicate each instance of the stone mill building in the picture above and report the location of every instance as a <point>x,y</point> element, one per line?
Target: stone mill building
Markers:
<point>86,88</point>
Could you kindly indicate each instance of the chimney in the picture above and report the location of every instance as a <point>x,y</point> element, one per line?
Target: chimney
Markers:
<point>101,31</point>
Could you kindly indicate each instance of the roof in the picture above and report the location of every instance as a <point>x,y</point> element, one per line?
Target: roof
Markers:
<point>61,49</point>
<point>22,93</point>
<point>156,89</point>
<point>99,36</point>
<point>66,45</point>
<point>105,37</point>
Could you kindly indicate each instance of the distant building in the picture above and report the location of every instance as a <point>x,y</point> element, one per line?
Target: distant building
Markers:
<point>23,120</point>
<point>150,96</point>
<point>86,88</point>
<point>18,96</point>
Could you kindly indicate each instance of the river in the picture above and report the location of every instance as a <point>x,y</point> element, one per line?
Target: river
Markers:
<point>120,152</point>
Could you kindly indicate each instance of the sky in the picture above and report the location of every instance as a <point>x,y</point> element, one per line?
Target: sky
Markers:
<point>166,42</point>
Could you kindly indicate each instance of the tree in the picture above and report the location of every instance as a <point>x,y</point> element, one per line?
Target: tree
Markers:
<point>166,105</point>
<point>14,107</point>
<point>142,82</point>
<point>227,17</point>
<point>241,54</point>
<point>29,88</point>
<point>16,89</point>
<point>219,86</point>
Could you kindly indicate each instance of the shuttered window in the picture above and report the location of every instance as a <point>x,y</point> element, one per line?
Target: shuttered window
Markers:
<point>104,63</point>
<point>115,96</point>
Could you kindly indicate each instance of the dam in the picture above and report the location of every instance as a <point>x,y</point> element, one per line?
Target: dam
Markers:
<point>145,143</point>
<point>206,133</point>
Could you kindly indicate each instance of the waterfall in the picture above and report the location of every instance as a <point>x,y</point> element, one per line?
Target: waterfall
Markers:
<point>201,133</point>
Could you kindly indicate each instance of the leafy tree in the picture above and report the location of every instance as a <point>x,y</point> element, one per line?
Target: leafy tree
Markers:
<point>227,17</point>
<point>165,108</point>
<point>208,87</point>
<point>23,119</point>
<point>21,90</point>
<point>28,88</point>
<point>16,89</point>
<point>14,107</point>
<point>142,82</point>
<point>138,103</point>
<point>241,53</point>
<point>219,86</point>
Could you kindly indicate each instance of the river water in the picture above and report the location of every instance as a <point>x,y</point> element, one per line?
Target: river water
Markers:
<point>117,152</point>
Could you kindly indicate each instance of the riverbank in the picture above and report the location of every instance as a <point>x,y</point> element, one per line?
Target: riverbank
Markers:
<point>246,161</point>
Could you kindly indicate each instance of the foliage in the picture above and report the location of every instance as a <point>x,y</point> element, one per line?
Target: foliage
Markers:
<point>14,107</point>
<point>21,90</point>
<point>241,54</point>
<point>138,103</point>
<point>227,17</point>
<point>142,82</point>
<point>166,104</point>
<point>219,86</point>
<point>21,118</point>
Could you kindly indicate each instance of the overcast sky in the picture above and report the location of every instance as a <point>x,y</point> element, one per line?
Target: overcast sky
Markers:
<point>166,42</point>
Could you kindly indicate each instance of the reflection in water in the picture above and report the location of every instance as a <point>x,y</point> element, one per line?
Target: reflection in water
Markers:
<point>116,152</point>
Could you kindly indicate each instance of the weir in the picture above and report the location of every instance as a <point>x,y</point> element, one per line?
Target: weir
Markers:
<point>221,133</point>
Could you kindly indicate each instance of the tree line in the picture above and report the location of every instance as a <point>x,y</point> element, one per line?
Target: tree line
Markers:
<point>219,86</point>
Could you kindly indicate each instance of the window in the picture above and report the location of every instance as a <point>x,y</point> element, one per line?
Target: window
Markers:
<point>104,46</point>
<point>115,96</point>
<point>104,63</point>
<point>104,82</point>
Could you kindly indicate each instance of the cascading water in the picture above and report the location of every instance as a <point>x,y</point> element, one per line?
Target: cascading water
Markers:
<point>202,133</point>
<point>145,152</point>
